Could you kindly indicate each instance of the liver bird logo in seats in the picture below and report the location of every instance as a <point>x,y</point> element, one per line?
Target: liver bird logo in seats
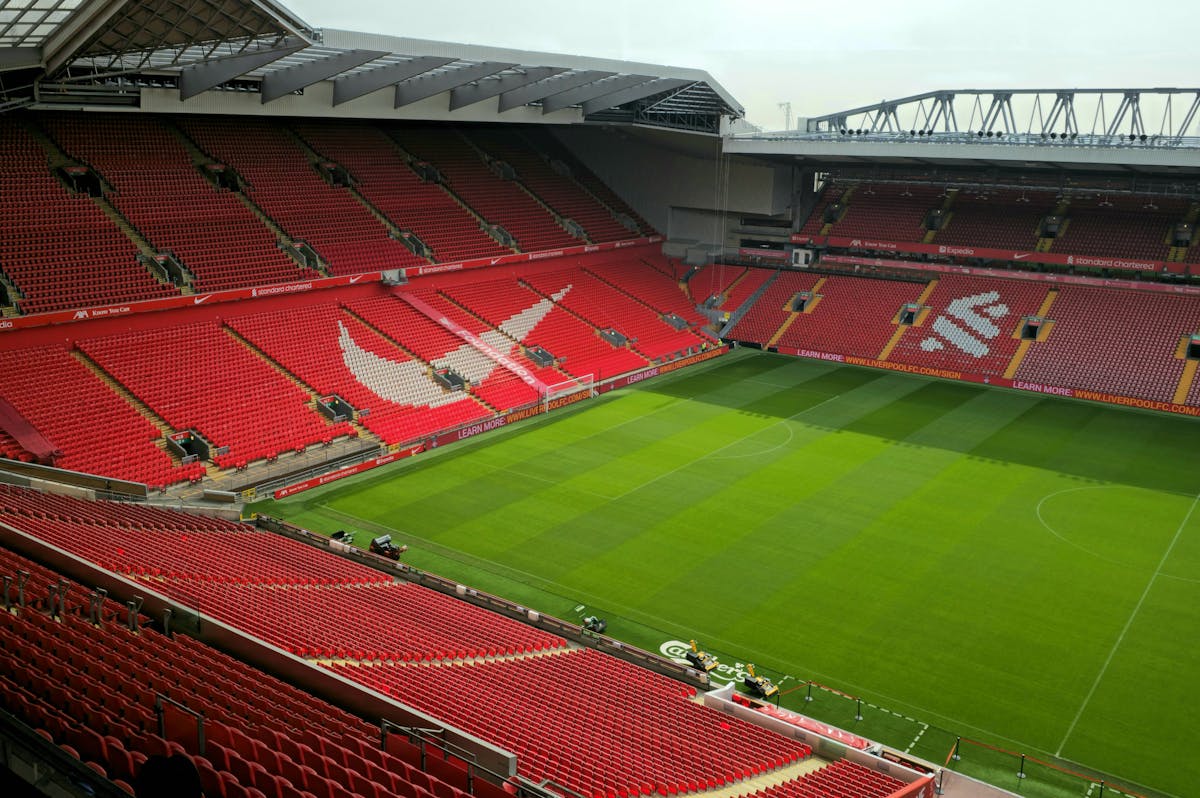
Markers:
<point>968,324</point>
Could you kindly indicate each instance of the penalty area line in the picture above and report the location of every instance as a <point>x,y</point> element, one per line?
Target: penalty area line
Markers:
<point>1128,623</point>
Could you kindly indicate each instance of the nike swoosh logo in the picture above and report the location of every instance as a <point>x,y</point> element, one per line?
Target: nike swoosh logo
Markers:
<point>1020,255</point>
<point>355,278</point>
<point>198,299</point>
<point>494,261</point>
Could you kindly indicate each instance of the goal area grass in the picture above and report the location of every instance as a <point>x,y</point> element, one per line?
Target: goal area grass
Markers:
<point>1009,568</point>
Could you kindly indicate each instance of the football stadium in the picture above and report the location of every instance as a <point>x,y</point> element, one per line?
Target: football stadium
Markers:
<point>383,416</point>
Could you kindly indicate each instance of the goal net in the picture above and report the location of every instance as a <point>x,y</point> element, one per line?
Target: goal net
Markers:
<point>561,394</point>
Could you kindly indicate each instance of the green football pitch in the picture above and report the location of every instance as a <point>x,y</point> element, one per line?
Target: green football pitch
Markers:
<point>1017,570</point>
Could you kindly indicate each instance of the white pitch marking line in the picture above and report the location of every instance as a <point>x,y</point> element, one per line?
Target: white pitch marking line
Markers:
<point>1120,639</point>
<point>917,739</point>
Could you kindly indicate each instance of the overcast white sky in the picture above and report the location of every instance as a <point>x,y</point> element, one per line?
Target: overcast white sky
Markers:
<point>824,55</point>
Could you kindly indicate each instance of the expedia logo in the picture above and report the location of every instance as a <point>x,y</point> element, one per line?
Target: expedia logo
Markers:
<point>676,651</point>
<point>968,324</point>
<point>5,325</point>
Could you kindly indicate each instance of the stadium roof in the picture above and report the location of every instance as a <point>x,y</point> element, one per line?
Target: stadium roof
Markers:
<point>1118,131</point>
<point>127,52</point>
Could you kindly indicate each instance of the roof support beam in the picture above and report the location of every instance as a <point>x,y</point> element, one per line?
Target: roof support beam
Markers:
<point>545,88</point>
<point>199,78</point>
<point>354,86</point>
<point>20,58</point>
<point>591,91</point>
<point>633,94</point>
<point>60,47</point>
<point>486,89</point>
<point>285,81</point>
<point>421,88</point>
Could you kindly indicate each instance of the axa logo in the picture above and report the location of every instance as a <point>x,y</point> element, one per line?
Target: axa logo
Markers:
<point>969,324</point>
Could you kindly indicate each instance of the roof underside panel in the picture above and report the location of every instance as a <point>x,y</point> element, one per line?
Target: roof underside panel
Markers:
<point>113,52</point>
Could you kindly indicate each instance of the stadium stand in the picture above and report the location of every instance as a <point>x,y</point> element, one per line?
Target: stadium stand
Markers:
<point>57,247</point>
<point>605,307</point>
<point>92,690</point>
<point>973,325</point>
<point>568,734</point>
<point>558,191</point>
<point>165,197</point>
<point>841,779</point>
<point>889,212</point>
<point>771,310</point>
<point>1001,219</point>
<point>94,428</point>
<point>501,680</point>
<point>815,223</point>
<point>490,381</point>
<point>1120,342</point>
<point>287,187</point>
<point>1128,227</point>
<point>341,356</point>
<point>853,316</point>
<point>498,201</point>
<point>385,178</point>
<point>198,377</point>
<point>649,287</point>
<point>546,144</point>
<point>575,344</point>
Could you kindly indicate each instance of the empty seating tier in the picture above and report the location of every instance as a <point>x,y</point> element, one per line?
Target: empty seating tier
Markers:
<point>558,191</point>
<point>853,316</point>
<point>840,779</point>
<point>1121,342</point>
<point>93,690</point>
<point>576,344</point>
<point>59,249</point>
<point>489,380</point>
<point>606,307</point>
<point>650,287</point>
<point>973,325</point>
<point>97,431</point>
<point>198,377</point>
<point>383,176</point>
<point>394,393</point>
<point>497,201</point>
<point>773,308</point>
<point>287,187</point>
<point>998,219</point>
<point>165,196</point>
<point>636,733</point>
<point>1123,227</point>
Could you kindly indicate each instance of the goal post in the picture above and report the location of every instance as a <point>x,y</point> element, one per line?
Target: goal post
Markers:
<point>568,392</point>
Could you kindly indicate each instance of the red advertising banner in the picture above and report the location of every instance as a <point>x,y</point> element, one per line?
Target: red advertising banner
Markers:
<point>953,251</point>
<point>1020,385</point>
<point>1062,279</point>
